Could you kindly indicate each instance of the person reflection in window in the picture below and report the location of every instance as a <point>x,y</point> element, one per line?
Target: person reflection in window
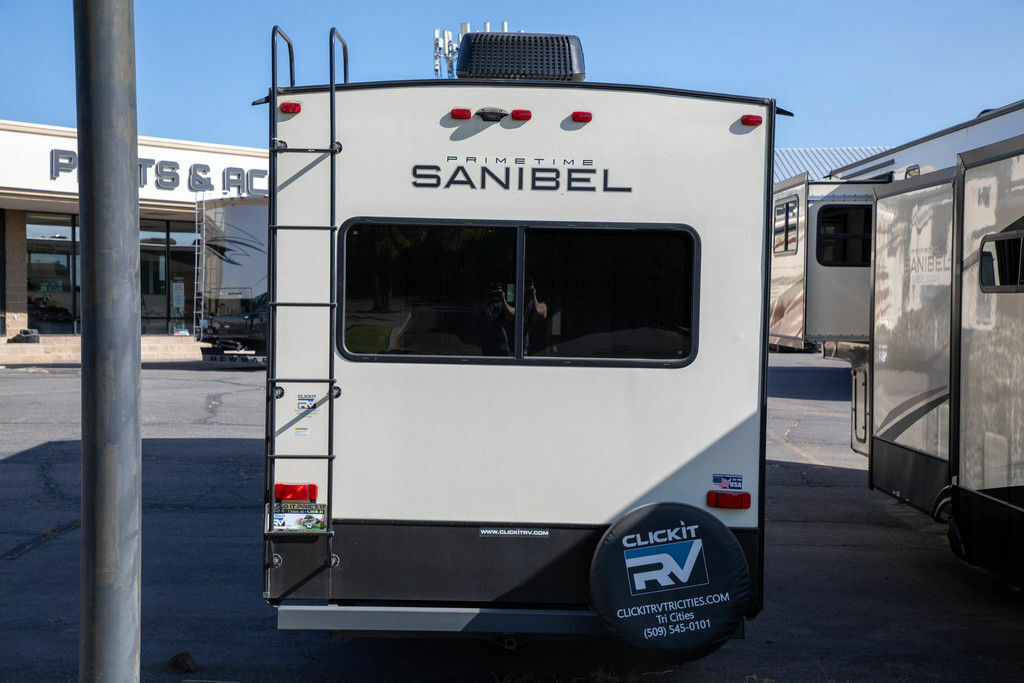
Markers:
<point>536,311</point>
<point>498,315</point>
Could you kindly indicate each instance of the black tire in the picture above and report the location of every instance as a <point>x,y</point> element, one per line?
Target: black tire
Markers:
<point>670,581</point>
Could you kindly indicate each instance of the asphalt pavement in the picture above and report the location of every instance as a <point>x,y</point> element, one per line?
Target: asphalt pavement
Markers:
<point>858,587</point>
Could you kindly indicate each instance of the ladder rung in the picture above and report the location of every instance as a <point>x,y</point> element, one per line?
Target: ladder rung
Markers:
<point>276,456</point>
<point>306,150</point>
<point>299,303</point>
<point>303,227</point>
<point>309,380</point>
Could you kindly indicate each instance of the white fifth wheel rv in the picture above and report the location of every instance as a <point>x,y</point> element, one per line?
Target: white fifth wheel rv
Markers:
<point>937,150</point>
<point>821,258</point>
<point>517,352</point>
<point>813,304</point>
<point>947,361</point>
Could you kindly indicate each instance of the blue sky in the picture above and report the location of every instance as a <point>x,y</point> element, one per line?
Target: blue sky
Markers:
<point>855,73</point>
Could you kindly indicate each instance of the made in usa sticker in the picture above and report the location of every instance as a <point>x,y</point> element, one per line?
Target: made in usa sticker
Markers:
<point>727,481</point>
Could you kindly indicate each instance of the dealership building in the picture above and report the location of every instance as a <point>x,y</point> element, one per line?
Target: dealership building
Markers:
<point>40,267</point>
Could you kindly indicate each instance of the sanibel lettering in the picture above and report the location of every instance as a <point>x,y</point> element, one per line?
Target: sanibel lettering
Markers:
<point>426,176</point>
<point>609,188</point>
<point>579,180</point>
<point>537,179</point>
<point>544,179</point>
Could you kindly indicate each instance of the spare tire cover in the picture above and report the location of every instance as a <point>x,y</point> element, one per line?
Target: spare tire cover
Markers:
<point>670,581</point>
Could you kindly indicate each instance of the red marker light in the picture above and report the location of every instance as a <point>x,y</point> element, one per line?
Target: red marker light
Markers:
<point>751,120</point>
<point>290,107</point>
<point>462,114</point>
<point>521,115</point>
<point>582,116</point>
<point>294,491</point>
<point>736,500</point>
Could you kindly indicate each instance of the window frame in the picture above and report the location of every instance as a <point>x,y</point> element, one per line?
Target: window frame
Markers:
<point>518,358</point>
<point>997,237</point>
<point>869,235</point>
<point>792,199</point>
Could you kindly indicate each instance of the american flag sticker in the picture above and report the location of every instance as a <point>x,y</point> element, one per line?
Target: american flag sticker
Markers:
<point>727,481</point>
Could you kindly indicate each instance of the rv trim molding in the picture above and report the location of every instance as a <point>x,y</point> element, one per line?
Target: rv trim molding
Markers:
<point>918,182</point>
<point>415,619</point>
<point>995,113</point>
<point>993,152</point>
<point>795,181</point>
<point>865,171</point>
<point>477,82</point>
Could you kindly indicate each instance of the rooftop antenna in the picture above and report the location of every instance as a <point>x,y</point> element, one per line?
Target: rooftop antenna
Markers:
<point>437,53</point>
<point>447,49</point>
<point>450,50</point>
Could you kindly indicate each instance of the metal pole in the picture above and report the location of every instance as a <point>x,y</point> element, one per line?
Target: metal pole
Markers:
<point>108,197</point>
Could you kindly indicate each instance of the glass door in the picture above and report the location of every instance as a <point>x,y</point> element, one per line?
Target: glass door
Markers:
<point>153,276</point>
<point>50,271</point>
<point>182,253</point>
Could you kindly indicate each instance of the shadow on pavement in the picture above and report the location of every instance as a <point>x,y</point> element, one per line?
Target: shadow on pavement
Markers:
<point>857,587</point>
<point>809,383</point>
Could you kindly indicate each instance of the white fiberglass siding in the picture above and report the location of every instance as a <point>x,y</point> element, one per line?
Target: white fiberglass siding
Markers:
<point>475,442</point>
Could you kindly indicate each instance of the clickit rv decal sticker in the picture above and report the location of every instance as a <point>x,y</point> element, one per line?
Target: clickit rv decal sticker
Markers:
<point>666,567</point>
<point>289,516</point>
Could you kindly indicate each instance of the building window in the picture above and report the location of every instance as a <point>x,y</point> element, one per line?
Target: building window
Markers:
<point>153,275</point>
<point>588,296</point>
<point>181,247</point>
<point>1001,265</point>
<point>54,274</point>
<point>52,278</point>
<point>786,235</point>
<point>844,235</point>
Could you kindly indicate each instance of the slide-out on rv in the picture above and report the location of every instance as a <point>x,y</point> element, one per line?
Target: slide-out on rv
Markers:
<point>233,273</point>
<point>947,375</point>
<point>517,348</point>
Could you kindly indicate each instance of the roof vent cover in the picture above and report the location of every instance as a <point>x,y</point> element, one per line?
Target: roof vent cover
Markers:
<point>535,56</point>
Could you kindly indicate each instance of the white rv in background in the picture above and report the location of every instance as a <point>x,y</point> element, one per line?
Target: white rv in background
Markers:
<point>947,360</point>
<point>938,373</point>
<point>517,352</point>
<point>815,303</point>
<point>821,258</point>
<point>938,150</point>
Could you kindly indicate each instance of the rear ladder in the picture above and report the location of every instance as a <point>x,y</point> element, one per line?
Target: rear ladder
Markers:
<point>276,385</point>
